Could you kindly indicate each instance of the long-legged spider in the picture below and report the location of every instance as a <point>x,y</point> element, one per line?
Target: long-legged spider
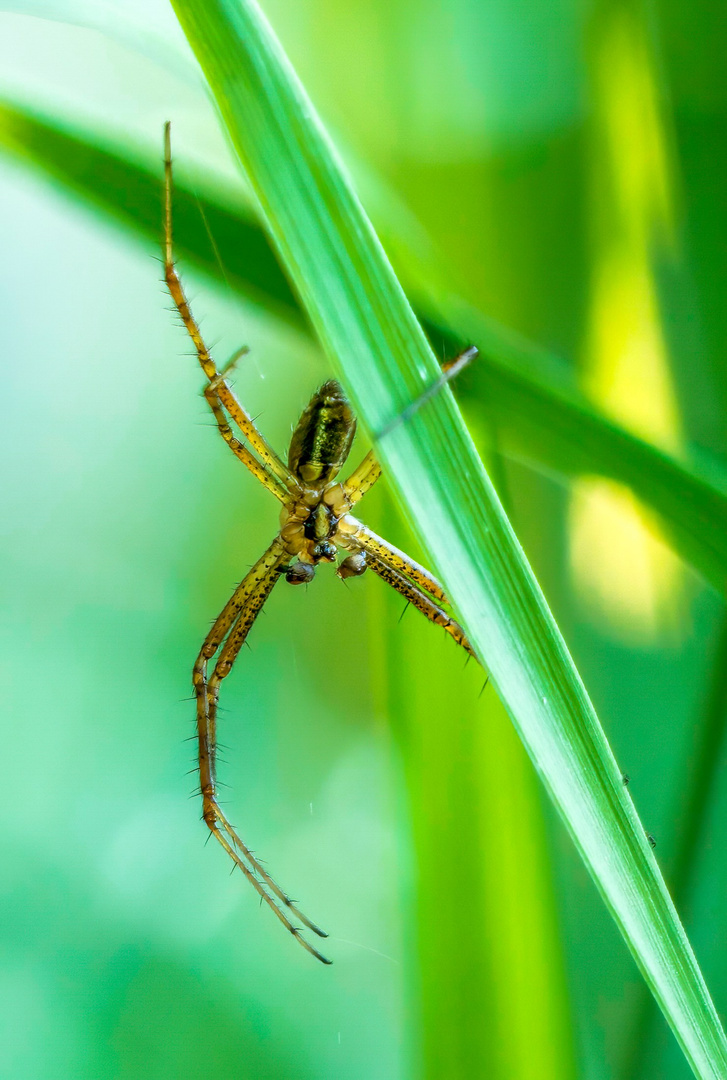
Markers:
<point>315,522</point>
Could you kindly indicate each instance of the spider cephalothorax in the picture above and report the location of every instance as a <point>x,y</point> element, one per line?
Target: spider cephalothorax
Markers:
<point>315,524</point>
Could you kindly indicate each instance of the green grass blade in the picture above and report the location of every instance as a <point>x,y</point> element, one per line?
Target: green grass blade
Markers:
<point>699,791</point>
<point>540,415</point>
<point>370,333</point>
<point>498,1007</point>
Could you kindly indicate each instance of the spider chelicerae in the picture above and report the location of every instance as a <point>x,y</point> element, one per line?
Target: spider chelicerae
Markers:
<point>315,523</point>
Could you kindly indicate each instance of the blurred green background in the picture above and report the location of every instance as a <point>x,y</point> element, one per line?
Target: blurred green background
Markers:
<point>561,166</point>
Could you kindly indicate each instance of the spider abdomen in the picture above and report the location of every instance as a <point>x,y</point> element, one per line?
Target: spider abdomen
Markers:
<point>323,437</point>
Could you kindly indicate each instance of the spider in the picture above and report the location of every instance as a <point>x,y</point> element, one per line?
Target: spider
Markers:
<point>315,523</point>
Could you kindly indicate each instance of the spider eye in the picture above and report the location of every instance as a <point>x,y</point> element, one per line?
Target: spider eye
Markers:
<point>300,573</point>
<point>325,550</point>
<point>353,566</point>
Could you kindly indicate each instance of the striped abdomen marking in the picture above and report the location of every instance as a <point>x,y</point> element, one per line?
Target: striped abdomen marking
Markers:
<point>323,437</point>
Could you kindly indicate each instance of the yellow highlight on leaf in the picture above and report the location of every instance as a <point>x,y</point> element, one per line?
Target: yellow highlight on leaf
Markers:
<point>621,565</point>
<point>628,374</point>
<point>631,131</point>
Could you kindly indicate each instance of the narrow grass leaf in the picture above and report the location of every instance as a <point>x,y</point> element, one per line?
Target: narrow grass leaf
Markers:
<point>371,334</point>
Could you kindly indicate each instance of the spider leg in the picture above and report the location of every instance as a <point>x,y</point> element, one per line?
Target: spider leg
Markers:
<point>220,628</point>
<point>397,560</point>
<point>234,623</point>
<point>214,400</point>
<point>421,601</point>
<point>272,472</point>
<point>450,370</point>
<point>362,479</point>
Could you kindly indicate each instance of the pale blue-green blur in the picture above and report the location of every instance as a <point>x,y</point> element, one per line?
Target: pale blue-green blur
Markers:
<point>566,160</point>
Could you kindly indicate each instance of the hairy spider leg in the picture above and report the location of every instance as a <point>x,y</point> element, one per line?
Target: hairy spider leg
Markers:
<point>272,473</point>
<point>221,627</point>
<point>393,557</point>
<point>420,601</point>
<point>235,641</point>
<point>235,622</point>
<point>240,451</point>
<point>408,577</point>
<point>450,370</point>
<point>362,479</point>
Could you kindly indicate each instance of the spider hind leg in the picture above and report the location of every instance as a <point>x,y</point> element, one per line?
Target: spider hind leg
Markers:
<point>227,636</point>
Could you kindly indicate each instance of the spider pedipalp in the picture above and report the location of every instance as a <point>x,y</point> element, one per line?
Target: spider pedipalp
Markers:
<point>299,573</point>
<point>352,565</point>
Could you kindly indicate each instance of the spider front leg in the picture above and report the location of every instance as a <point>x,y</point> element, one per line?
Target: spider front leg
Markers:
<point>421,601</point>
<point>362,479</point>
<point>234,624</point>
<point>386,553</point>
<point>270,471</point>
<point>450,369</point>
